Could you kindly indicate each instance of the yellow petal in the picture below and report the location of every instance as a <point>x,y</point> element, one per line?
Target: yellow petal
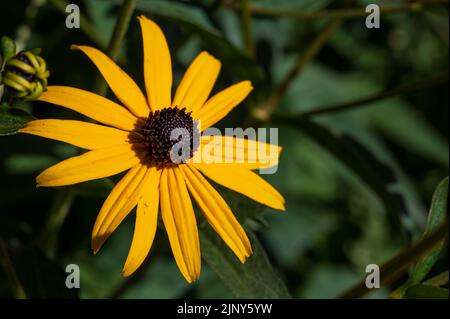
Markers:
<point>82,134</point>
<point>222,103</point>
<point>145,225</point>
<point>117,195</point>
<point>157,65</point>
<point>179,221</point>
<point>197,82</point>
<point>91,165</point>
<point>244,181</point>
<point>92,105</point>
<point>119,203</point>
<point>217,212</point>
<point>123,86</point>
<point>251,154</point>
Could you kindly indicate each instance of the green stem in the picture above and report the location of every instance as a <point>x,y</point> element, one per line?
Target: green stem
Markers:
<point>265,110</point>
<point>344,13</point>
<point>11,275</point>
<point>120,29</point>
<point>399,265</point>
<point>61,206</point>
<point>436,79</point>
<point>247,33</point>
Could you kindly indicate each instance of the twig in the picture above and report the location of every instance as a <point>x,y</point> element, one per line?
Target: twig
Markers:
<point>247,33</point>
<point>120,29</point>
<point>265,110</point>
<point>344,13</point>
<point>10,272</point>
<point>439,78</point>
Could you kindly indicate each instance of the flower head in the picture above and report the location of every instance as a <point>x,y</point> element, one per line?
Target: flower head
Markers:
<point>138,138</point>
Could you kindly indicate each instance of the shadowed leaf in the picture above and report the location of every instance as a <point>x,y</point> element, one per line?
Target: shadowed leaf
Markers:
<point>12,120</point>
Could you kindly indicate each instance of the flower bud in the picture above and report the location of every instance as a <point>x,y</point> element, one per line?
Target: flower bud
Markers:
<point>25,75</point>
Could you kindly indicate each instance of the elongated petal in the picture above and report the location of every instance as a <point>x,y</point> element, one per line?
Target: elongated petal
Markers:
<point>91,165</point>
<point>251,154</point>
<point>222,103</point>
<point>122,199</point>
<point>82,134</point>
<point>217,212</point>
<point>197,82</point>
<point>157,65</point>
<point>145,225</point>
<point>244,181</point>
<point>120,202</point>
<point>92,105</point>
<point>179,220</point>
<point>123,86</point>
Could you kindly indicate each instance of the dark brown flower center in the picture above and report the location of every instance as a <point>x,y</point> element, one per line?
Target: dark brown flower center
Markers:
<point>171,136</point>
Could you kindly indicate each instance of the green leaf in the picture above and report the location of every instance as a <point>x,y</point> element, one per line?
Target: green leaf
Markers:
<point>438,280</point>
<point>254,279</point>
<point>426,292</point>
<point>397,120</point>
<point>12,120</point>
<point>246,210</point>
<point>437,216</point>
<point>195,21</point>
<point>8,48</point>
<point>396,267</point>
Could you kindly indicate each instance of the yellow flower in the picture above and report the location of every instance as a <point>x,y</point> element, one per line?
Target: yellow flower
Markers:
<point>135,137</point>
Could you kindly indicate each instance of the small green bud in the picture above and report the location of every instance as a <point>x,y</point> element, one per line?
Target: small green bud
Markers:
<point>25,75</point>
<point>8,48</point>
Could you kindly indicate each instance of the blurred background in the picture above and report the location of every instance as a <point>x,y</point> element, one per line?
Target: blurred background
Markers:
<point>358,176</point>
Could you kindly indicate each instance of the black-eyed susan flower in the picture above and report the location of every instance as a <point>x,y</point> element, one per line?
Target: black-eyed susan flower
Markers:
<point>137,138</point>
